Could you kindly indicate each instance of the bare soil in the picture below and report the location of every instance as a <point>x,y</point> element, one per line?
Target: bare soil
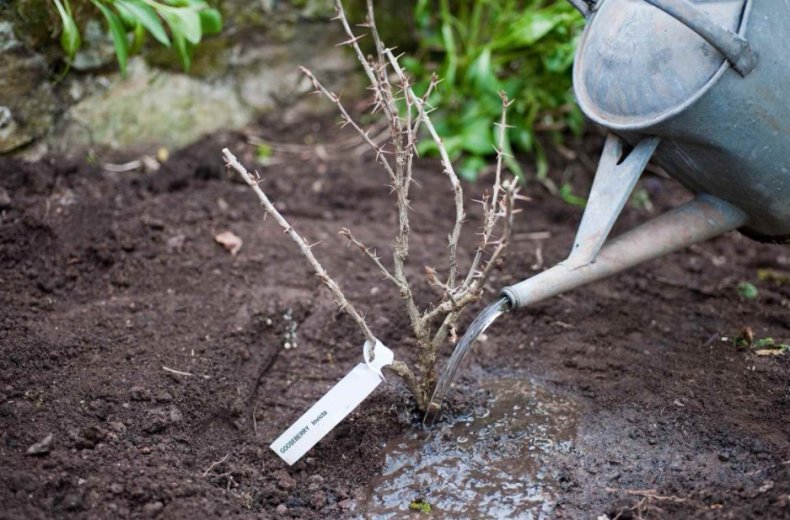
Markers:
<point>108,278</point>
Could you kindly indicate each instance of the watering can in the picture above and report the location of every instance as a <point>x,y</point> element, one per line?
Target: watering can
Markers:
<point>698,86</point>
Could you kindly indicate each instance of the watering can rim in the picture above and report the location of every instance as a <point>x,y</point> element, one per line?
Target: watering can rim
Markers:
<point>637,123</point>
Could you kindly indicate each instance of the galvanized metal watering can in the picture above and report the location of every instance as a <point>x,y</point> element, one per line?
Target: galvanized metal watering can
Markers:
<point>703,88</point>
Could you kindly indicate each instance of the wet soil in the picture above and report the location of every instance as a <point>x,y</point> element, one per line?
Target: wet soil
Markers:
<point>111,282</point>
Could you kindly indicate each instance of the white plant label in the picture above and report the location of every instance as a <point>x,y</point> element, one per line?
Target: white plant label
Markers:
<point>334,406</point>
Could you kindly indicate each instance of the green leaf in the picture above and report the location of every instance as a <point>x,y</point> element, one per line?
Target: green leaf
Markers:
<point>471,167</point>
<point>138,36</point>
<point>118,33</point>
<point>527,30</point>
<point>146,16</point>
<point>210,21</point>
<point>183,49</point>
<point>421,506</point>
<point>70,40</point>
<point>481,74</point>
<point>477,136</point>
<point>747,290</point>
<point>566,193</point>
<point>764,343</point>
<point>182,20</point>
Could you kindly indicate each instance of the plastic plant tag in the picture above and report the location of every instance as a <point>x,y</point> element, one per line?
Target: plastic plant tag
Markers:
<point>334,406</point>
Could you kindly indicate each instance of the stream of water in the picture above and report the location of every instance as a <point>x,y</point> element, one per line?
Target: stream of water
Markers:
<point>478,326</point>
<point>494,463</point>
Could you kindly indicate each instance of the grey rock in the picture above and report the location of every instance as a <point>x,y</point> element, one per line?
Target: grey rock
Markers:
<point>176,415</point>
<point>284,480</point>
<point>138,393</point>
<point>156,421</point>
<point>317,500</point>
<point>42,447</point>
<point>153,508</point>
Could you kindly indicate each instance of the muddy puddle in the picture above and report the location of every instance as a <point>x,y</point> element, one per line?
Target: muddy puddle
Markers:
<point>494,462</point>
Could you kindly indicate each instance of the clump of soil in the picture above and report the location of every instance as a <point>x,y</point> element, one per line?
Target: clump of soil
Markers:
<point>113,284</point>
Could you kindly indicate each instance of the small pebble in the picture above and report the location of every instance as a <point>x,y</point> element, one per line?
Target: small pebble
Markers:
<point>314,482</point>
<point>285,481</point>
<point>318,500</point>
<point>42,447</point>
<point>5,199</point>
<point>138,393</point>
<point>153,508</point>
<point>156,420</point>
<point>282,509</point>
<point>175,414</point>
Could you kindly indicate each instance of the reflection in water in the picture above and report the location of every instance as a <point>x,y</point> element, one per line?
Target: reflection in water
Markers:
<point>494,464</point>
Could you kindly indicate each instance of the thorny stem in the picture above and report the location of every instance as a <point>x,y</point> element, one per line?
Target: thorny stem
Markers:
<point>330,284</point>
<point>433,326</point>
<point>348,120</point>
<point>458,191</point>
<point>370,253</point>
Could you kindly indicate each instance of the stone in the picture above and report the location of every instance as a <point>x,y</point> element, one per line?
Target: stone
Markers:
<point>314,482</point>
<point>90,436</point>
<point>164,397</point>
<point>176,415</point>
<point>139,393</point>
<point>73,501</point>
<point>156,421</point>
<point>284,480</point>
<point>27,102</point>
<point>117,427</point>
<point>317,500</point>
<point>282,509</point>
<point>5,198</point>
<point>42,447</point>
<point>153,508</point>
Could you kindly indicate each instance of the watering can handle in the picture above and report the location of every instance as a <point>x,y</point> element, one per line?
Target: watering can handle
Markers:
<point>614,181</point>
<point>736,49</point>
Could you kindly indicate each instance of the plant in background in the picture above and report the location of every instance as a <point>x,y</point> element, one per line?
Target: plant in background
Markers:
<point>180,24</point>
<point>522,47</point>
<point>405,113</point>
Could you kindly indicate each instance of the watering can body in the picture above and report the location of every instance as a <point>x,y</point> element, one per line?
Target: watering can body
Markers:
<point>641,72</point>
<point>700,87</point>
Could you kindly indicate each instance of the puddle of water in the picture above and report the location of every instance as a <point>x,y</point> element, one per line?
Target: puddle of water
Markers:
<point>493,464</point>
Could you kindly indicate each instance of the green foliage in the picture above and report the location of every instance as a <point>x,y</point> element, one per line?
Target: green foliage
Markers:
<point>747,290</point>
<point>421,506</point>
<point>567,195</point>
<point>128,21</point>
<point>524,47</point>
<point>70,36</point>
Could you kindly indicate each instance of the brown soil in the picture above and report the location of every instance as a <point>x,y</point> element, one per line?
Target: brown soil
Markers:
<point>108,278</point>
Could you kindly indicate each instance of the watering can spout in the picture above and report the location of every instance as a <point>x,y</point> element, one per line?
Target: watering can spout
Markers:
<point>701,219</point>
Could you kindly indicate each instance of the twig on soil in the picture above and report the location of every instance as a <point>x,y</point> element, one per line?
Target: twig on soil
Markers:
<point>651,495</point>
<point>178,372</point>
<point>215,464</point>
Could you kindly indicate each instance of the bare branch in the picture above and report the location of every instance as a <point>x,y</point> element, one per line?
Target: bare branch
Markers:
<point>372,255</point>
<point>491,212</point>
<point>448,170</point>
<point>380,156</point>
<point>389,108</point>
<point>340,298</point>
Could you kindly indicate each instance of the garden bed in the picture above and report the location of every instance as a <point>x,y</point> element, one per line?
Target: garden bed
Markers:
<point>112,283</point>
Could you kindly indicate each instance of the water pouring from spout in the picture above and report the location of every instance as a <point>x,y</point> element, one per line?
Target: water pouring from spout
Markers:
<point>478,326</point>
